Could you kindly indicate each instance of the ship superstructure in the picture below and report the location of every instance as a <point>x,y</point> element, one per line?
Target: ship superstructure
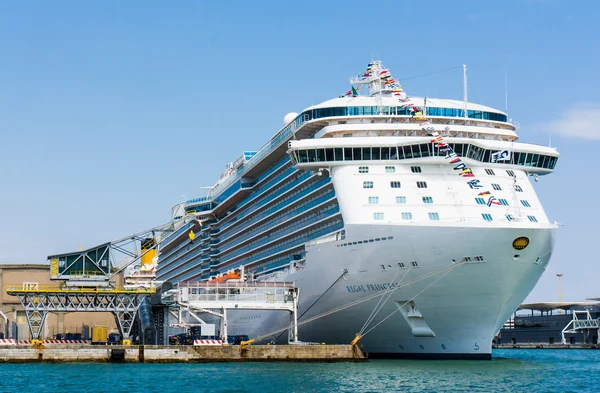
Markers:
<point>361,195</point>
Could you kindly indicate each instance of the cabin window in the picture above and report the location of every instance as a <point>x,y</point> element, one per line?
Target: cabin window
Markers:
<point>367,184</point>
<point>373,200</point>
<point>427,199</point>
<point>400,199</point>
<point>415,169</point>
<point>363,169</point>
<point>421,184</point>
<point>434,216</point>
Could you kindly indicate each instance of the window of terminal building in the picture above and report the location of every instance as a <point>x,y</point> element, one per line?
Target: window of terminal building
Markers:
<point>378,216</point>
<point>525,203</point>
<point>487,217</point>
<point>406,216</point>
<point>390,169</point>
<point>400,199</point>
<point>395,184</point>
<point>363,169</point>
<point>490,172</point>
<point>496,187</point>
<point>373,200</point>
<point>421,184</point>
<point>427,199</point>
<point>367,184</point>
<point>415,169</point>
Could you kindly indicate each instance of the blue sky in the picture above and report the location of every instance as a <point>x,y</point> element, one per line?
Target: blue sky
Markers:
<point>111,112</point>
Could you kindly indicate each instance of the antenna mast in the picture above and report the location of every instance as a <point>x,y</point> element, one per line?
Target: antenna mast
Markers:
<point>506,91</point>
<point>465,90</point>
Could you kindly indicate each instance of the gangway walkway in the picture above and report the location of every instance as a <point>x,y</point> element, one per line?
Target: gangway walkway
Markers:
<point>39,300</point>
<point>205,297</point>
<point>578,324</point>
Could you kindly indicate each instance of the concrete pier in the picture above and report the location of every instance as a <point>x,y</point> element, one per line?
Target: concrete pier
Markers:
<point>181,354</point>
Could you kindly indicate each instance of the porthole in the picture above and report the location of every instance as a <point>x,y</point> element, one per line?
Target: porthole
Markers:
<point>516,257</point>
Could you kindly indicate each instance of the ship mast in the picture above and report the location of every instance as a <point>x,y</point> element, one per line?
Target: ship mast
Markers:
<point>374,81</point>
<point>465,90</point>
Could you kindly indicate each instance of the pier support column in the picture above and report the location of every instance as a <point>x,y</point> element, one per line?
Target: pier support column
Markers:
<point>224,325</point>
<point>61,322</point>
<point>293,330</point>
<point>35,320</point>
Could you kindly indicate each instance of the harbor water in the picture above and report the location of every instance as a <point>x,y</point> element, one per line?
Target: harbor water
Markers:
<point>533,370</point>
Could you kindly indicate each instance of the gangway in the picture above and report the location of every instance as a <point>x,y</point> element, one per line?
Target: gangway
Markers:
<point>86,275</point>
<point>39,300</point>
<point>577,324</point>
<point>94,267</point>
<point>217,298</point>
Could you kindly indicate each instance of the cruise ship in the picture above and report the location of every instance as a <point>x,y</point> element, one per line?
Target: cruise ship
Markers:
<point>411,222</point>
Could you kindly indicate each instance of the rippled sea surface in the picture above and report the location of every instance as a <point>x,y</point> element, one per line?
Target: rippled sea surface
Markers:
<point>511,370</point>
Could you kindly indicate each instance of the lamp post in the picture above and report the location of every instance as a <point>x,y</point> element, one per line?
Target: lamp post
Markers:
<point>559,275</point>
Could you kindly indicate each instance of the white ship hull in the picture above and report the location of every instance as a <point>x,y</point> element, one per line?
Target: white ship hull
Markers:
<point>461,311</point>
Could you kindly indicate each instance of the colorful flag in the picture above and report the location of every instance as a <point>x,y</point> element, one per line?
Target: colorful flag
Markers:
<point>465,171</point>
<point>455,161</point>
<point>503,155</point>
<point>460,167</point>
<point>439,138</point>
<point>354,92</point>
<point>485,193</point>
<point>492,201</point>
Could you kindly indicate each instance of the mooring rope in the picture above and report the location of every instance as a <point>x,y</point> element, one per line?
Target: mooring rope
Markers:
<point>445,270</point>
